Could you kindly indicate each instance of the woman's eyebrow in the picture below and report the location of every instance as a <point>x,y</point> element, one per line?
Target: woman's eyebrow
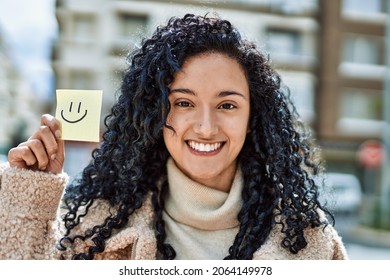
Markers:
<point>230,92</point>
<point>223,93</point>
<point>182,90</point>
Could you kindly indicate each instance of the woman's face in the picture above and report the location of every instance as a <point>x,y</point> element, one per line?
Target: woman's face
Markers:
<point>209,113</point>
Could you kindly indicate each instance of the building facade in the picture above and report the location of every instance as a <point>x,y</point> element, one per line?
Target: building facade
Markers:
<point>351,77</point>
<point>330,53</point>
<point>19,111</point>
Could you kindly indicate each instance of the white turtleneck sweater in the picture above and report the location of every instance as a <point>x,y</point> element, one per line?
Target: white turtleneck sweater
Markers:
<point>201,222</point>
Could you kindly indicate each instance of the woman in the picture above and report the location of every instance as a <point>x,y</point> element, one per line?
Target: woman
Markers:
<point>203,158</point>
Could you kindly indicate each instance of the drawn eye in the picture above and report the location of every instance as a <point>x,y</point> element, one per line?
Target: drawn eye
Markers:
<point>78,112</point>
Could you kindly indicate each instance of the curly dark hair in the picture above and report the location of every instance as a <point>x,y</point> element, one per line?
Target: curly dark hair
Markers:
<point>278,158</point>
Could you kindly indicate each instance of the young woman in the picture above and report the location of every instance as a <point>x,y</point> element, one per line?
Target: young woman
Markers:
<point>203,158</point>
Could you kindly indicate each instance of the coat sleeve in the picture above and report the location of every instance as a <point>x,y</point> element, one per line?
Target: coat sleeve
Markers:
<point>28,206</point>
<point>339,250</point>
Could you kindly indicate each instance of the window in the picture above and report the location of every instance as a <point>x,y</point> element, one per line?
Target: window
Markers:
<point>131,25</point>
<point>361,104</point>
<point>364,6</point>
<point>284,42</point>
<point>285,6</point>
<point>363,49</point>
<point>360,112</point>
<point>84,28</point>
<point>80,79</point>
<point>301,87</point>
<point>293,6</point>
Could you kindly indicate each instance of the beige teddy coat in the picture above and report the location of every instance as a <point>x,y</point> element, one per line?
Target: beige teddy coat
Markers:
<point>30,225</point>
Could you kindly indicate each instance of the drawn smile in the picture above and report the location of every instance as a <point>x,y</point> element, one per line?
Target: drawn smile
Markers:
<point>78,111</point>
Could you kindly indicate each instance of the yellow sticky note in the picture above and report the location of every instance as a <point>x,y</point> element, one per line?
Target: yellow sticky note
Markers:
<point>79,113</point>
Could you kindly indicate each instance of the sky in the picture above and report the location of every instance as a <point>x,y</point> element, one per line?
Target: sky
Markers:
<point>30,28</point>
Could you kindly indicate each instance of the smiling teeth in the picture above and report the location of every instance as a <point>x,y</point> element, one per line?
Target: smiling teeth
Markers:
<point>200,147</point>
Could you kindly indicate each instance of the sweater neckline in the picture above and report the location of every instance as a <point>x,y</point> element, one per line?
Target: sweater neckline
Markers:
<point>199,206</point>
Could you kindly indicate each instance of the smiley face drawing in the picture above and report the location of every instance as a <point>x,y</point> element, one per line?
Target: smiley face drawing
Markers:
<point>79,114</point>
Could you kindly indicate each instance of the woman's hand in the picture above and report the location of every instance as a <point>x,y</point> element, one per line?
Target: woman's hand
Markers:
<point>44,150</point>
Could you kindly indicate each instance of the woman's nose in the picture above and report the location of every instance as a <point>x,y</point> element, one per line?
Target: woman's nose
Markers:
<point>205,124</point>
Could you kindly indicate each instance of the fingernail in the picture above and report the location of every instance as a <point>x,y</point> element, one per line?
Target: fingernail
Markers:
<point>58,134</point>
<point>53,157</point>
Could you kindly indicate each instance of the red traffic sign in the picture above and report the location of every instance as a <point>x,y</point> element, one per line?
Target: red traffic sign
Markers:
<point>371,154</point>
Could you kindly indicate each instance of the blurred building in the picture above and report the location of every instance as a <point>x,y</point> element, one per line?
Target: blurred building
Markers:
<point>351,77</point>
<point>96,36</point>
<point>330,54</point>
<point>19,113</point>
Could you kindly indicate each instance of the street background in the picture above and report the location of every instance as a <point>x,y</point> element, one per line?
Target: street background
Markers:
<point>333,55</point>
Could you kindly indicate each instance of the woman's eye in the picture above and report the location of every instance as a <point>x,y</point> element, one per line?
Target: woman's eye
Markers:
<point>183,104</point>
<point>227,106</point>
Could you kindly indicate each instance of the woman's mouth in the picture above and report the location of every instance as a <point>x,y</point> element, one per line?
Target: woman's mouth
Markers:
<point>205,147</point>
